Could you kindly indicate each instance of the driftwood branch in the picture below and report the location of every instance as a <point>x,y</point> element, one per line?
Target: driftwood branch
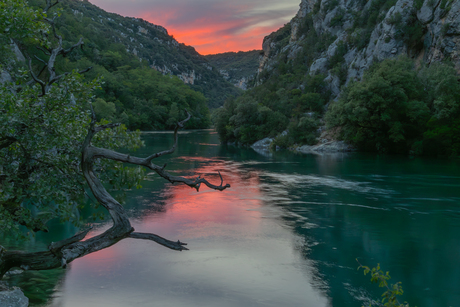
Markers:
<point>170,151</point>
<point>162,241</point>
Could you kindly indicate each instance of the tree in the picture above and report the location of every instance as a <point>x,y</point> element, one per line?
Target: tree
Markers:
<point>385,112</point>
<point>52,148</point>
<point>399,109</point>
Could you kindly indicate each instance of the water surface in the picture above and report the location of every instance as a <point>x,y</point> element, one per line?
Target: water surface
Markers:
<point>287,233</point>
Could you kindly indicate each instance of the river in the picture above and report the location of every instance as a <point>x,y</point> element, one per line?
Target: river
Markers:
<point>287,233</point>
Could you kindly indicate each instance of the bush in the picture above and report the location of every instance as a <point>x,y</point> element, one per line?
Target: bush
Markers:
<point>397,109</point>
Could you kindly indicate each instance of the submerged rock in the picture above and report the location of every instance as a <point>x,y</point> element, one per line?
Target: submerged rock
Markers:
<point>329,147</point>
<point>12,296</point>
<point>263,144</point>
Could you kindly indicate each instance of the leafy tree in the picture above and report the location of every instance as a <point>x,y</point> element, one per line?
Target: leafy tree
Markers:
<point>44,122</point>
<point>442,136</point>
<point>386,111</point>
<point>52,149</point>
<point>104,109</point>
<point>17,23</point>
<point>399,109</point>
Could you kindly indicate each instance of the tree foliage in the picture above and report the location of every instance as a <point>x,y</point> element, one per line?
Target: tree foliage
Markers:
<point>398,109</point>
<point>18,22</point>
<point>390,296</point>
<point>52,148</point>
<point>41,137</point>
<point>113,42</point>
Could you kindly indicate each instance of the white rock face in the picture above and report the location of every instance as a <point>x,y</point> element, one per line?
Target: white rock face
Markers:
<point>188,77</point>
<point>441,38</point>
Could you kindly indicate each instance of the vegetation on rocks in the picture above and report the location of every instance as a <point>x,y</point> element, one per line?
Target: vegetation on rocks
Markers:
<point>398,109</point>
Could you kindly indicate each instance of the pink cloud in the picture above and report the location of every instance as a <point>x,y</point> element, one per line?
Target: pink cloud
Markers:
<point>211,26</point>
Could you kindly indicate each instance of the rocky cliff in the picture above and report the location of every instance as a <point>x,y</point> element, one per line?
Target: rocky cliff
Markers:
<point>349,35</point>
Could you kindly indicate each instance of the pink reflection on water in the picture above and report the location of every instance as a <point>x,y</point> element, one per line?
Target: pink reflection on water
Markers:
<point>190,214</point>
<point>237,256</point>
<point>194,212</point>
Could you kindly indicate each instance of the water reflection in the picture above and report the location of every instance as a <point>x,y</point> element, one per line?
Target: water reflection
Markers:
<point>240,255</point>
<point>286,234</point>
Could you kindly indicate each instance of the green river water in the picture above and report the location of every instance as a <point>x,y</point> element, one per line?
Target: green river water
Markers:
<point>287,233</point>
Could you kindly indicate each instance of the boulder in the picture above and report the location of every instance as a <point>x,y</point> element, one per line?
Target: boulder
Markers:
<point>329,147</point>
<point>263,144</point>
<point>12,296</point>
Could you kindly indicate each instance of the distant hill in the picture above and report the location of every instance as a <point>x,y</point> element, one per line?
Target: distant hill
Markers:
<point>134,38</point>
<point>239,68</point>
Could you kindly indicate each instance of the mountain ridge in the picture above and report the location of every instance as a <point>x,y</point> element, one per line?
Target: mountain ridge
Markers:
<point>150,43</point>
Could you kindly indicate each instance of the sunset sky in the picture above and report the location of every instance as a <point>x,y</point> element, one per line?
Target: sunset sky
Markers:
<point>211,26</point>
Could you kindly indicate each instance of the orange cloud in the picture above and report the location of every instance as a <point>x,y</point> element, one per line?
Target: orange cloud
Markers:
<point>211,26</point>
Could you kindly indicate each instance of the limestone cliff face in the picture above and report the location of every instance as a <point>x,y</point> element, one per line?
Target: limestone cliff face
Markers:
<point>437,23</point>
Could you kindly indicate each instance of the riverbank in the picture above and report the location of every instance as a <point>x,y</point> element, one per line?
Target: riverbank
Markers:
<point>12,296</point>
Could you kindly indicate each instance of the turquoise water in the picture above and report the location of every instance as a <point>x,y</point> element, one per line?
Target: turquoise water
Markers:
<point>287,233</point>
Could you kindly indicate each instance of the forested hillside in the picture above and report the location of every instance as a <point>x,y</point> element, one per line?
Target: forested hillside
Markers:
<point>143,69</point>
<point>239,68</point>
<point>315,64</point>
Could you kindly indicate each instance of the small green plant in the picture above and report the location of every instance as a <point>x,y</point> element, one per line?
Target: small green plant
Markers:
<point>443,4</point>
<point>445,28</point>
<point>317,7</point>
<point>389,297</point>
<point>418,4</point>
<point>395,19</point>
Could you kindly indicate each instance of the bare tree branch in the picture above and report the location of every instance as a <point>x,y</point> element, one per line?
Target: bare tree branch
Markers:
<point>49,5</point>
<point>55,246</point>
<point>69,50</point>
<point>45,51</point>
<point>108,126</point>
<point>43,61</point>
<point>162,241</point>
<point>170,151</point>
<point>85,70</point>
<point>36,79</point>
<point>7,141</point>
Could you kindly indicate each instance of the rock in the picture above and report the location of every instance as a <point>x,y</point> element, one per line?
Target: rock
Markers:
<point>263,144</point>
<point>5,77</point>
<point>425,15</point>
<point>12,296</point>
<point>320,66</point>
<point>328,147</point>
<point>262,147</point>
